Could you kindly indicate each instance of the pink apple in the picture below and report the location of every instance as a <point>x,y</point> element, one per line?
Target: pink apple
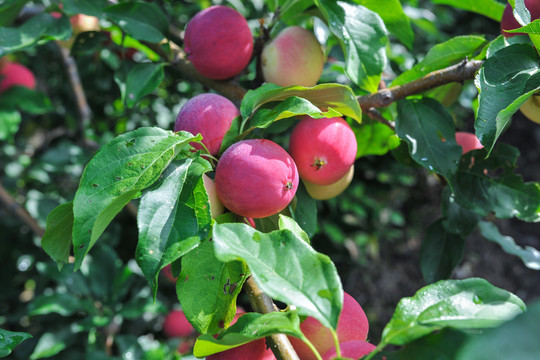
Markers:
<point>352,325</point>
<point>177,325</point>
<point>167,273</point>
<point>15,74</point>
<point>323,149</point>
<point>509,22</point>
<point>294,57</point>
<point>256,178</point>
<point>218,42</point>
<point>468,141</point>
<point>353,349</point>
<point>325,192</point>
<point>210,115</point>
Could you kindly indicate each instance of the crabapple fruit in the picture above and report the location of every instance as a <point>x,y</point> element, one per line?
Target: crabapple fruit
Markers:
<point>531,108</point>
<point>325,192</point>
<point>294,57</point>
<point>256,178</point>
<point>15,74</point>
<point>353,349</point>
<point>468,141</point>
<point>352,325</point>
<point>210,115</point>
<point>177,325</point>
<point>216,207</point>
<point>218,42</point>
<point>167,273</point>
<point>509,22</point>
<point>82,23</point>
<point>323,149</point>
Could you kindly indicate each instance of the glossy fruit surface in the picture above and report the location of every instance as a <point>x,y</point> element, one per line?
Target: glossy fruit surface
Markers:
<point>353,349</point>
<point>15,74</point>
<point>468,141</point>
<point>177,325</point>
<point>325,192</point>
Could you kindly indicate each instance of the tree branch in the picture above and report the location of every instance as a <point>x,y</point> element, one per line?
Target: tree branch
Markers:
<point>12,205</point>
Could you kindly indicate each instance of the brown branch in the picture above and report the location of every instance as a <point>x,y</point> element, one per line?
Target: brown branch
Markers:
<point>12,205</point>
<point>261,303</point>
<point>465,70</point>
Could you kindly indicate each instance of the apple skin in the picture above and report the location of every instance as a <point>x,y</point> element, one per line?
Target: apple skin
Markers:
<point>15,74</point>
<point>325,192</point>
<point>323,149</point>
<point>508,22</point>
<point>531,108</point>
<point>177,325</point>
<point>216,207</point>
<point>468,141</point>
<point>210,115</point>
<point>353,349</point>
<point>352,325</point>
<point>167,273</point>
<point>218,42</point>
<point>82,23</point>
<point>256,178</point>
<point>293,57</point>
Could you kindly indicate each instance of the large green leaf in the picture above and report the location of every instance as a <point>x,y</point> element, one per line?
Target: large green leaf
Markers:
<point>493,9</point>
<point>363,37</point>
<point>374,138</point>
<point>118,172</point>
<point>505,81</point>
<point>56,241</point>
<point>62,304</point>
<point>9,340</point>
<point>9,125</point>
<point>441,251</point>
<point>429,131</point>
<point>442,55</point>
<point>141,20</point>
<point>26,100</point>
<point>516,339</point>
<point>529,255</point>
<point>286,268</point>
<point>9,11</point>
<point>88,7</point>
<point>456,218</point>
<point>394,18</point>
<point>249,327</point>
<point>490,185</point>
<point>52,343</point>
<point>461,304</point>
<point>173,217</point>
<point>207,288</point>
<point>141,80</point>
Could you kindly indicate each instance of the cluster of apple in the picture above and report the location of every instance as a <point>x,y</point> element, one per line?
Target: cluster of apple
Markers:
<point>15,74</point>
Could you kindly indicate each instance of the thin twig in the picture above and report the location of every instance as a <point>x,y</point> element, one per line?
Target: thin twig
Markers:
<point>376,115</point>
<point>10,203</point>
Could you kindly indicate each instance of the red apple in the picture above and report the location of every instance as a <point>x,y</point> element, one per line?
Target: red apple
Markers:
<point>210,115</point>
<point>323,149</point>
<point>509,22</point>
<point>15,74</point>
<point>256,178</point>
<point>353,349</point>
<point>177,325</point>
<point>218,42</point>
<point>167,273</point>
<point>294,57</point>
<point>325,192</point>
<point>352,325</point>
<point>468,141</point>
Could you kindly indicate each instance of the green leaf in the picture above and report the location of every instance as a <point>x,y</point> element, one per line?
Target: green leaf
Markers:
<point>394,18</point>
<point>141,80</point>
<point>9,340</point>
<point>429,130</point>
<point>88,7</point>
<point>287,223</point>
<point>31,32</point>
<point>52,343</point>
<point>529,255</point>
<point>490,185</point>
<point>442,55</point>
<point>9,11</point>
<point>374,138</point>
<point>363,37</point>
<point>440,253</point>
<point>173,217</point>
<point>286,268</point>
<point>516,339</point>
<point>118,172</point>
<point>141,20</point>
<point>26,100</point>
<point>9,124</point>
<point>461,304</point>
<point>249,327</point>
<point>63,304</point>
<point>456,218</point>
<point>56,241</point>
<point>505,81</point>
<point>207,288</point>
<point>305,211</point>
<point>531,28</point>
<point>489,8</point>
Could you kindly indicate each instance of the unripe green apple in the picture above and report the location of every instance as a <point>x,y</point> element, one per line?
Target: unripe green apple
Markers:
<point>325,192</point>
<point>531,108</point>
<point>468,141</point>
<point>210,115</point>
<point>218,42</point>
<point>352,325</point>
<point>353,349</point>
<point>294,57</point>
<point>323,149</point>
<point>256,178</point>
<point>15,74</point>
<point>509,22</point>
<point>177,325</point>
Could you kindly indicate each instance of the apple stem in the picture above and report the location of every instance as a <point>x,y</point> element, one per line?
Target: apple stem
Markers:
<point>336,342</point>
